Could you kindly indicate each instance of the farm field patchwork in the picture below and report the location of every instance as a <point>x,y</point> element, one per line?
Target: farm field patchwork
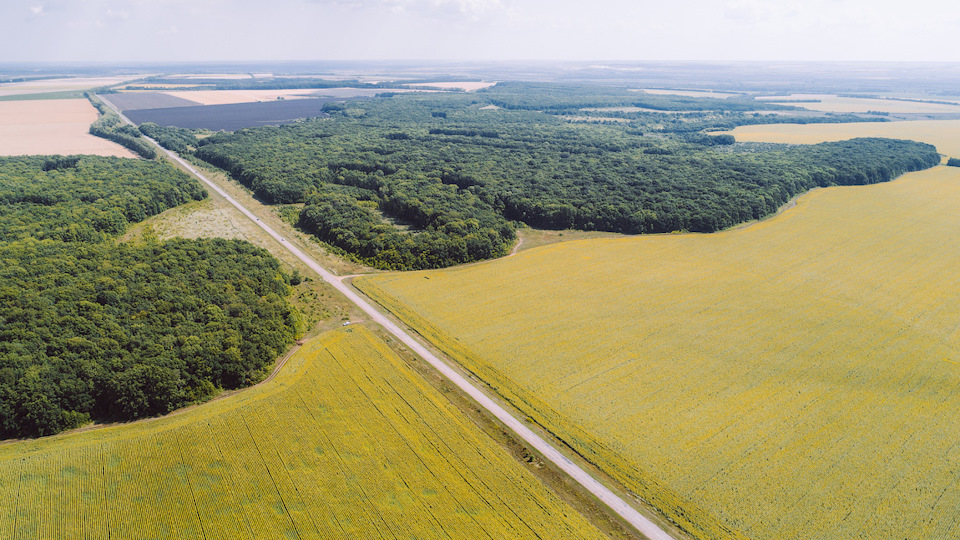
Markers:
<point>52,127</point>
<point>944,134</point>
<point>346,442</point>
<point>797,378</point>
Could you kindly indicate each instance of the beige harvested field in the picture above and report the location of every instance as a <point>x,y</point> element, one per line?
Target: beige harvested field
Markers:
<point>688,93</point>
<point>59,85</point>
<point>837,104</point>
<point>469,86</point>
<point>944,134</point>
<point>52,127</point>
<point>226,97</point>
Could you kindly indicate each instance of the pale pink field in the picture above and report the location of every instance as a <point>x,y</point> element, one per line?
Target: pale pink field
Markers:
<point>58,126</point>
<point>226,97</point>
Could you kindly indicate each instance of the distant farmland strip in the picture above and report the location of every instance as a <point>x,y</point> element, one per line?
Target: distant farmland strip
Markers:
<point>346,442</point>
<point>233,116</point>
<point>67,94</point>
<point>126,101</point>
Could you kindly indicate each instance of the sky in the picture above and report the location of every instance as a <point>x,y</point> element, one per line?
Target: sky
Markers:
<point>581,30</point>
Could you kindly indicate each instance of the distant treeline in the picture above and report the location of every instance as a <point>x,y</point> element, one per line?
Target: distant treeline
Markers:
<point>423,181</point>
<point>95,329</point>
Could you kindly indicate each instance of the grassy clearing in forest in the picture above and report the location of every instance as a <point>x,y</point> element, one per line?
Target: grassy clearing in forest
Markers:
<point>797,378</point>
<point>320,305</point>
<point>346,442</point>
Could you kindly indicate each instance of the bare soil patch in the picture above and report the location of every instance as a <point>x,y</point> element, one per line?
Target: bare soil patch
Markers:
<point>52,127</point>
<point>530,238</point>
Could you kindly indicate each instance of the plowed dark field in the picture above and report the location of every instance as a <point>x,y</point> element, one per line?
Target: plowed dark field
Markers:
<point>148,100</point>
<point>234,116</point>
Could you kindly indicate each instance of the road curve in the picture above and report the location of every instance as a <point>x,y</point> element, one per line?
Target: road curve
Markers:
<point>591,484</point>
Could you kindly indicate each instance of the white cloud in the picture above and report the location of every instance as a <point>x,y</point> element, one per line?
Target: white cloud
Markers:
<point>480,29</point>
<point>121,14</point>
<point>473,6</point>
<point>423,8</point>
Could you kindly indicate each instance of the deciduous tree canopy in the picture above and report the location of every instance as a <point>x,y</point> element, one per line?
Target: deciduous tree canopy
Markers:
<point>456,175</point>
<point>92,328</point>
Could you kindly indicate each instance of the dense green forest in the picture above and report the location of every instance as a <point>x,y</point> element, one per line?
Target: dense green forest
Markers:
<point>430,180</point>
<point>85,199</point>
<point>172,138</point>
<point>91,328</point>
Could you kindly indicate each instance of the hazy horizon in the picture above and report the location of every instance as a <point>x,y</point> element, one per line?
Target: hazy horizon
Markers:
<point>174,31</point>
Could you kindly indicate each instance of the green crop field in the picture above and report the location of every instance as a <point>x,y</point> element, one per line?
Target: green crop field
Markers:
<point>347,442</point>
<point>796,378</point>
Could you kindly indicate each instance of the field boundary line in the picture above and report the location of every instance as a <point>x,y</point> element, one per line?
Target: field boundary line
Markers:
<point>578,474</point>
